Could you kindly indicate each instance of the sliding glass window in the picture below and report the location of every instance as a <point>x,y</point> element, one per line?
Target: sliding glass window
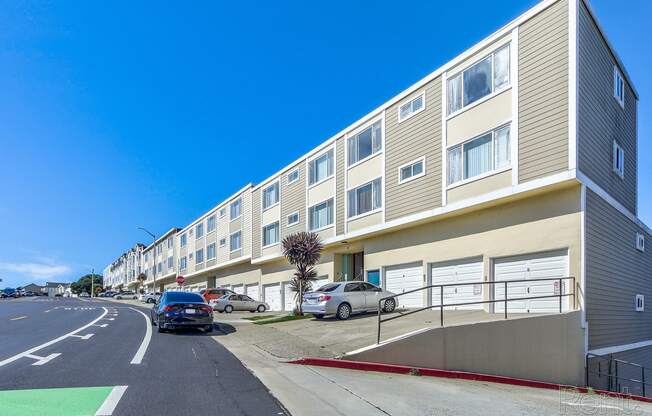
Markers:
<point>479,156</point>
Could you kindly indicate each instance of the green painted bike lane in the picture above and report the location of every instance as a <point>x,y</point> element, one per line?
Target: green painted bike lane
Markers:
<point>75,401</point>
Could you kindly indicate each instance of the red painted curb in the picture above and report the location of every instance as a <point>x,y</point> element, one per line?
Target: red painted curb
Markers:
<point>462,375</point>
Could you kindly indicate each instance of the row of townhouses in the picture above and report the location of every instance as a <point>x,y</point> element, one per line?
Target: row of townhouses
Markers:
<point>516,160</point>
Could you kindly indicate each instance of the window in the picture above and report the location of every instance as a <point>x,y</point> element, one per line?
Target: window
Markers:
<point>146,256</point>
<point>619,87</point>
<point>236,208</point>
<point>199,230</point>
<point>414,106</point>
<point>293,176</point>
<point>320,168</point>
<point>236,241</point>
<point>619,160</point>
<point>159,249</point>
<point>489,75</point>
<point>159,267</point>
<point>222,212</point>
<point>210,251</point>
<point>640,242</point>
<point>170,262</point>
<point>412,170</point>
<point>170,242</point>
<point>365,143</point>
<point>480,155</point>
<point>293,218</point>
<point>183,240</point>
<point>199,256</point>
<point>222,242</point>
<point>365,198</point>
<point>270,195</point>
<point>640,303</point>
<point>210,224</point>
<point>270,234</point>
<point>320,215</point>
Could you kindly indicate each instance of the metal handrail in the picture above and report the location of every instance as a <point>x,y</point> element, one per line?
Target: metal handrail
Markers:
<point>614,377</point>
<point>441,305</point>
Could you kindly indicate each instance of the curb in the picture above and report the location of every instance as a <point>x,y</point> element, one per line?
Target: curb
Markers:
<point>461,375</point>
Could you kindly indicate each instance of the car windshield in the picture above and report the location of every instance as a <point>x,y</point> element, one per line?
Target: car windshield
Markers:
<point>184,297</point>
<point>328,287</point>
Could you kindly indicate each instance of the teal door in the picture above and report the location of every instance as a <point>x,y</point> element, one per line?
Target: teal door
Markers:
<point>373,277</point>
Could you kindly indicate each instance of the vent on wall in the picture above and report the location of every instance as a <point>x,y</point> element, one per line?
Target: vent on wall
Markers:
<point>640,242</point>
<point>640,303</point>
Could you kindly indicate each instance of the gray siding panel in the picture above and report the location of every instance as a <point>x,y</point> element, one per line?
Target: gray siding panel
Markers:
<point>409,140</point>
<point>543,93</point>
<point>601,120</point>
<point>293,199</point>
<point>339,187</point>
<point>255,224</point>
<point>615,273</point>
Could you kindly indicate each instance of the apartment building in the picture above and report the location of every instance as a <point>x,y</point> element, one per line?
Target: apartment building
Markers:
<point>159,261</point>
<point>123,271</point>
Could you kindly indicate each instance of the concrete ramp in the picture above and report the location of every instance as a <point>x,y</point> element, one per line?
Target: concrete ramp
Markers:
<point>546,348</point>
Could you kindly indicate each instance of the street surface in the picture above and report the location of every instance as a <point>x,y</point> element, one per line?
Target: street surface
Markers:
<point>102,357</point>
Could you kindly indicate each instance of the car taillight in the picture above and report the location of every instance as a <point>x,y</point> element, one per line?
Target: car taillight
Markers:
<point>207,309</point>
<point>168,308</point>
<point>323,298</point>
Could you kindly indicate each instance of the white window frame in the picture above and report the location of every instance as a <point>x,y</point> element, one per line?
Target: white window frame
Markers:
<point>421,160</point>
<point>278,234</point>
<point>199,226</point>
<point>222,212</point>
<point>326,226</point>
<point>639,303</point>
<point>278,195</point>
<point>170,262</point>
<point>374,210</point>
<point>355,133</point>
<point>183,263</point>
<point>231,249</point>
<point>208,252</point>
<point>222,242</point>
<point>618,159</point>
<point>326,152</point>
<point>640,242</point>
<point>170,243</point>
<point>200,251</point>
<point>208,222</point>
<point>493,156</point>
<point>619,87</point>
<point>235,201</point>
<point>293,172</point>
<point>410,102</point>
<point>183,241</point>
<point>290,224</point>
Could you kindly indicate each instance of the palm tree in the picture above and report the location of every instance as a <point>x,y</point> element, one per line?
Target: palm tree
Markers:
<point>302,250</point>
<point>141,279</point>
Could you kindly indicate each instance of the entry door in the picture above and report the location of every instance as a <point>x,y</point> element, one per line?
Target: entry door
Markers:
<point>272,295</point>
<point>403,278</point>
<point>253,291</point>
<point>532,267</point>
<point>458,271</point>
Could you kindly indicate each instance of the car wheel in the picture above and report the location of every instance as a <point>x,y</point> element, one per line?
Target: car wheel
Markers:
<point>343,311</point>
<point>209,328</point>
<point>161,329</point>
<point>261,308</point>
<point>228,309</point>
<point>390,305</point>
<point>319,315</point>
<point>150,300</point>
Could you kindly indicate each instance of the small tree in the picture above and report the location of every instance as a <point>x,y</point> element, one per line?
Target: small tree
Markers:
<point>302,250</point>
<point>141,279</point>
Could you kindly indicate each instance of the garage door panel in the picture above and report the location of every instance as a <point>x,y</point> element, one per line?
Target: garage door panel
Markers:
<point>239,289</point>
<point>253,291</point>
<point>400,279</point>
<point>459,271</point>
<point>288,297</point>
<point>272,295</point>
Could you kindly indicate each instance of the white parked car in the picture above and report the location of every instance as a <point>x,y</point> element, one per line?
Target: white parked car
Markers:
<point>235,302</point>
<point>149,297</point>
<point>129,294</point>
<point>344,298</point>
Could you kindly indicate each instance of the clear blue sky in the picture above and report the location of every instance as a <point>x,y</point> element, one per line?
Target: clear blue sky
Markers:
<point>118,114</point>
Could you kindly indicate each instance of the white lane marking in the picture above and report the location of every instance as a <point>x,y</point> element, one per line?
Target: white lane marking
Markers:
<point>102,326</point>
<point>111,401</point>
<point>109,319</point>
<point>43,360</point>
<point>17,318</point>
<point>138,358</point>
<point>47,344</point>
<point>87,336</point>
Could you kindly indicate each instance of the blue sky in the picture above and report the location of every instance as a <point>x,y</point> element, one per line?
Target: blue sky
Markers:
<point>124,114</point>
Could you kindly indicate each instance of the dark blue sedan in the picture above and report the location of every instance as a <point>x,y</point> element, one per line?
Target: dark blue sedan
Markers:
<point>182,310</point>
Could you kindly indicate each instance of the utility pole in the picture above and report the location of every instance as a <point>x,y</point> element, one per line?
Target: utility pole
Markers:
<point>92,278</point>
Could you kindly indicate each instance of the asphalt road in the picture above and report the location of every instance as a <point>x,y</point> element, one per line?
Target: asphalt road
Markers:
<point>180,373</point>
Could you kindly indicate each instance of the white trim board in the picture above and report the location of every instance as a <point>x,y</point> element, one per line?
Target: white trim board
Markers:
<point>620,348</point>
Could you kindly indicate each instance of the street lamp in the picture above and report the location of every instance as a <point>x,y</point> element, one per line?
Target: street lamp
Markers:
<point>154,240</point>
<point>92,278</point>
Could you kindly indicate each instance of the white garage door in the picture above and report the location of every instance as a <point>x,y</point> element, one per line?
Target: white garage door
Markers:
<point>273,296</point>
<point>288,297</point>
<point>239,289</point>
<point>252,291</point>
<point>403,278</point>
<point>532,267</point>
<point>458,271</point>
<point>319,283</point>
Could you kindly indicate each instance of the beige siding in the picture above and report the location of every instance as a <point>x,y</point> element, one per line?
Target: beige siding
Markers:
<point>339,186</point>
<point>601,120</point>
<point>293,199</point>
<point>235,225</point>
<point>246,222</point>
<point>543,93</point>
<point>255,224</point>
<point>413,138</point>
<point>235,254</point>
<point>615,273</point>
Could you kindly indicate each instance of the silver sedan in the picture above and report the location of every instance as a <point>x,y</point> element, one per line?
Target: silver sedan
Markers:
<point>344,298</point>
<point>235,302</point>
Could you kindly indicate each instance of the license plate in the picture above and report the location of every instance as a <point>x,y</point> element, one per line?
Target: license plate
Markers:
<point>190,311</point>
<point>312,301</point>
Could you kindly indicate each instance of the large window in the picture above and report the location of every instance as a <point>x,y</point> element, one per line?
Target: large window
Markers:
<point>365,143</point>
<point>270,234</point>
<point>236,241</point>
<point>183,240</point>
<point>210,224</point>
<point>199,230</point>
<point>478,156</point>
<point>270,195</point>
<point>170,262</point>
<point>236,208</point>
<point>199,256</point>
<point>365,198</point>
<point>320,168</point>
<point>320,215</point>
<point>183,263</point>
<point>210,251</point>
<point>170,242</point>
<point>489,75</point>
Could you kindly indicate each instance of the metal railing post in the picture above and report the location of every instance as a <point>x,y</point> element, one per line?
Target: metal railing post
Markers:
<point>560,295</point>
<point>643,380</point>
<point>505,299</point>
<point>441,305</point>
<point>616,376</point>
<point>378,339</point>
